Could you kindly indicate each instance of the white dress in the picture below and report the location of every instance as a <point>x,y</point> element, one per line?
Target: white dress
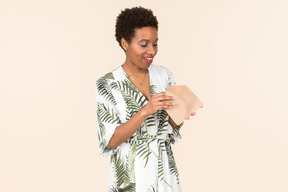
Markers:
<point>145,161</point>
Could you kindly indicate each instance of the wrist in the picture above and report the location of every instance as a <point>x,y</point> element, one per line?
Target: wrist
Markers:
<point>143,113</point>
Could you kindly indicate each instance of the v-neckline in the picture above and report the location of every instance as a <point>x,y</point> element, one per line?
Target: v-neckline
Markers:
<point>149,76</point>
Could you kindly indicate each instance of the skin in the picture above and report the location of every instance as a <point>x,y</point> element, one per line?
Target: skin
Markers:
<point>142,45</point>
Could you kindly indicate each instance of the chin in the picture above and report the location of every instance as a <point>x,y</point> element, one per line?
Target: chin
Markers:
<point>147,65</point>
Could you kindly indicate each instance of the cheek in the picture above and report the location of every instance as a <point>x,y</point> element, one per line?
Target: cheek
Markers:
<point>156,50</point>
<point>137,51</point>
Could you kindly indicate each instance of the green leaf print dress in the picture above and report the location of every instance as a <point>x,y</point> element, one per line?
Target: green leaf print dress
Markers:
<point>145,162</point>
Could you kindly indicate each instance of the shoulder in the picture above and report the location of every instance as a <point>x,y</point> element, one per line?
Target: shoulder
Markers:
<point>162,73</point>
<point>161,70</point>
<point>108,77</point>
<point>103,85</point>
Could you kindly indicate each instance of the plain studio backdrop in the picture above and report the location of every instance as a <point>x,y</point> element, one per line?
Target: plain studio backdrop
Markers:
<point>231,53</point>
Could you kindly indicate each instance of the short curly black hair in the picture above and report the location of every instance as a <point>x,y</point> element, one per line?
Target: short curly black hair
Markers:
<point>131,19</point>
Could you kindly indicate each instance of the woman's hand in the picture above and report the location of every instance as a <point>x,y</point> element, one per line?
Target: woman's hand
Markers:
<point>127,129</point>
<point>158,101</point>
<point>192,114</point>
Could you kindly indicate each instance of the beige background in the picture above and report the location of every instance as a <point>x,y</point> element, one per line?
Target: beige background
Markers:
<point>231,53</point>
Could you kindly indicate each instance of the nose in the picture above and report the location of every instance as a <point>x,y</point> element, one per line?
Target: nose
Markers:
<point>151,50</point>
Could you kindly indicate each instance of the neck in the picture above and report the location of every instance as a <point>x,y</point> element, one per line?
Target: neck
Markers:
<point>133,69</point>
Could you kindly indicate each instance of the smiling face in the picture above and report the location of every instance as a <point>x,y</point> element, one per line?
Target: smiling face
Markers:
<point>142,48</point>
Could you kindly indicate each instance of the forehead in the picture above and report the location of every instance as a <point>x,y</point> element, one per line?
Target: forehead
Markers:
<point>147,33</point>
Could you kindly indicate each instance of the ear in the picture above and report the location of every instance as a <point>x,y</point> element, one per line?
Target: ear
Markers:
<point>124,44</point>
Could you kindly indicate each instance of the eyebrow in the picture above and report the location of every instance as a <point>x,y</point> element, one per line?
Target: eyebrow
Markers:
<point>147,40</point>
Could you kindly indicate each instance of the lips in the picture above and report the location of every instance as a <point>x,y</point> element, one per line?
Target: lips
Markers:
<point>148,59</point>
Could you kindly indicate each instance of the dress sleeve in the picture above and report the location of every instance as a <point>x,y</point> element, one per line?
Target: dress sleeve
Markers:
<point>107,116</point>
<point>176,136</point>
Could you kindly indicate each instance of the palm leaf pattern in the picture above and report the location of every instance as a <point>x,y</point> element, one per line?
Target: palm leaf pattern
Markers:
<point>148,150</point>
<point>151,189</point>
<point>172,165</point>
<point>103,88</point>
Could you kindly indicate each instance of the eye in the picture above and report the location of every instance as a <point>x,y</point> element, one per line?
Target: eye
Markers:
<point>143,45</point>
<point>155,45</point>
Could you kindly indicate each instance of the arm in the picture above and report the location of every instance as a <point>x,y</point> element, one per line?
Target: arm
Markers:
<point>172,123</point>
<point>126,130</point>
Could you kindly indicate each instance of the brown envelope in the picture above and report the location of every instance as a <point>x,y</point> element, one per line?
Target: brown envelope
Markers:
<point>186,102</point>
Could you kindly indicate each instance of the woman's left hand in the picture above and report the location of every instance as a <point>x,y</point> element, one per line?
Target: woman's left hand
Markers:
<point>192,114</point>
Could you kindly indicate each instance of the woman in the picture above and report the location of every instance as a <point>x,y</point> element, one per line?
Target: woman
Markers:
<point>133,126</point>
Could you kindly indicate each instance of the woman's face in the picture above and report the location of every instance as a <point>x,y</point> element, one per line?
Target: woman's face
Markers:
<point>142,48</point>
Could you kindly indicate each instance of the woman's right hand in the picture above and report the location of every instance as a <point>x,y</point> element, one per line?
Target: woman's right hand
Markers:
<point>127,129</point>
<point>158,101</point>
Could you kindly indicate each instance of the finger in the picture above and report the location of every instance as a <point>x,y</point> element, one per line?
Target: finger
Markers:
<point>162,107</point>
<point>193,114</point>
<point>164,103</point>
<point>165,107</point>
<point>159,94</point>
<point>165,98</point>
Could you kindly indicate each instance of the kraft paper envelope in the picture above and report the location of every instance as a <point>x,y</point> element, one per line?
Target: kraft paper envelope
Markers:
<point>186,102</point>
